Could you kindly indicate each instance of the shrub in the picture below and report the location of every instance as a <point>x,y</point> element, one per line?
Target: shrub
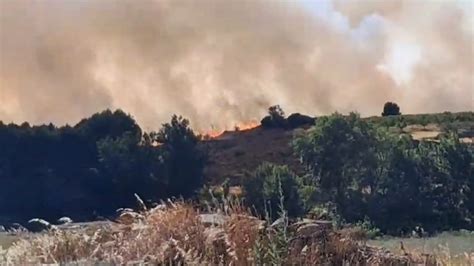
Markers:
<point>267,122</point>
<point>391,108</point>
<point>264,189</point>
<point>275,118</point>
<point>297,120</point>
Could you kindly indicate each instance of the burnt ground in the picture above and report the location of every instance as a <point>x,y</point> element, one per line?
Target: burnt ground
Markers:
<point>235,154</point>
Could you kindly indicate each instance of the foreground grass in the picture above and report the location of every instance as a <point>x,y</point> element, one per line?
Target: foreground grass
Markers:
<point>454,247</point>
<point>176,234</point>
<point>6,240</point>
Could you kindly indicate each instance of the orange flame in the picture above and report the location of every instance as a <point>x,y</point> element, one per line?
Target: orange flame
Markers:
<point>241,126</point>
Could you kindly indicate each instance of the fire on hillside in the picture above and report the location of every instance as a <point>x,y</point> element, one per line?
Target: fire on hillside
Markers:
<point>214,133</point>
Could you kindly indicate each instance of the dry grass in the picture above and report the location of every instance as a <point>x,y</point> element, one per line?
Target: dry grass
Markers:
<point>445,258</point>
<point>449,248</point>
<point>176,234</point>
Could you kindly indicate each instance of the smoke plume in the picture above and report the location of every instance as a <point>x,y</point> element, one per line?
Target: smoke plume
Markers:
<point>220,62</point>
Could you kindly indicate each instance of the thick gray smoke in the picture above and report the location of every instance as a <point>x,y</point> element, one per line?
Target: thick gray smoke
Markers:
<point>223,62</point>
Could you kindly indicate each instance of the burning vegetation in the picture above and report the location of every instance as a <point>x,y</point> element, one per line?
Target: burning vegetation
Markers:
<point>243,126</point>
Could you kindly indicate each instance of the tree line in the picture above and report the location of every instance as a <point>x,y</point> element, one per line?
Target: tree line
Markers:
<point>358,171</point>
<point>91,169</point>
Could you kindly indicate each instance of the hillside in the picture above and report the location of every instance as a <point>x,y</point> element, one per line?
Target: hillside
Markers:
<point>233,154</point>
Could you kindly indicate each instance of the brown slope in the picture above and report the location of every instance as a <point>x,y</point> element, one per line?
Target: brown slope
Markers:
<point>234,154</point>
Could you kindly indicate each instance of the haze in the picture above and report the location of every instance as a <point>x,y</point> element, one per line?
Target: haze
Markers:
<point>220,63</point>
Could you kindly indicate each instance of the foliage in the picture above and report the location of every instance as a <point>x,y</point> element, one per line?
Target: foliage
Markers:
<point>275,112</point>
<point>268,185</point>
<point>391,108</point>
<point>339,153</point>
<point>297,120</point>
<point>183,162</point>
<point>447,120</point>
<point>108,124</point>
<point>280,239</point>
<point>132,167</point>
<point>370,231</point>
<point>93,167</point>
<point>275,118</point>
<point>394,181</point>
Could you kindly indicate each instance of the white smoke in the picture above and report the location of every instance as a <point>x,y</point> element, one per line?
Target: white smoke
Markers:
<point>223,62</point>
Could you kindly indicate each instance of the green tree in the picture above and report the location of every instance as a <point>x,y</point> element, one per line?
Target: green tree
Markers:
<point>396,182</point>
<point>424,121</point>
<point>339,152</point>
<point>264,188</point>
<point>108,124</point>
<point>183,162</point>
<point>453,181</point>
<point>393,194</point>
<point>132,167</point>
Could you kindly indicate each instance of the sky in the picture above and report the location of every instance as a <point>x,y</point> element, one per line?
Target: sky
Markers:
<point>223,63</point>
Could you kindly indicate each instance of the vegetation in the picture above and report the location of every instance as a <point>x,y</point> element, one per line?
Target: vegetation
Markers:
<point>276,119</point>
<point>268,184</point>
<point>175,233</point>
<point>94,167</point>
<point>297,120</point>
<point>355,170</point>
<point>461,122</point>
<point>359,171</point>
<point>391,108</point>
<point>182,161</point>
<point>396,183</point>
<point>456,247</point>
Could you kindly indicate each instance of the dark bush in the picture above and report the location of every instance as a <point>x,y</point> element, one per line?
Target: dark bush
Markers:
<point>275,118</point>
<point>267,122</point>
<point>94,167</point>
<point>297,120</point>
<point>183,162</point>
<point>391,108</point>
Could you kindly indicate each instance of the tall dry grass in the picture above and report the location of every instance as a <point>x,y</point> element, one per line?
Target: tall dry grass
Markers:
<point>176,234</point>
<point>172,234</point>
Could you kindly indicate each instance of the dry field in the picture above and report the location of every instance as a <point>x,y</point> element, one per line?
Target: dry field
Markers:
<point>456,247</point>
<point>6,240</point>
<point>177,234</point>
